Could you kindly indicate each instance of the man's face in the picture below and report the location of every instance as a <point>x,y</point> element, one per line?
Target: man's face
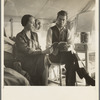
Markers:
<point>61,20</point>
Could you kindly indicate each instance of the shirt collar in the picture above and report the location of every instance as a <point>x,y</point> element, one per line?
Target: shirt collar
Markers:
<point>60,29</point>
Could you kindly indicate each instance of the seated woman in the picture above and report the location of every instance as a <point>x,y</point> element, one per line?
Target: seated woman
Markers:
<point>29,53</point>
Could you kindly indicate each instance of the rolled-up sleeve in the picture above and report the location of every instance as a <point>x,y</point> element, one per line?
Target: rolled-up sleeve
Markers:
<point>49,38</point>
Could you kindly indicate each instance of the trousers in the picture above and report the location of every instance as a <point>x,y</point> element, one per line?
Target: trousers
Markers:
<point>71,65</point>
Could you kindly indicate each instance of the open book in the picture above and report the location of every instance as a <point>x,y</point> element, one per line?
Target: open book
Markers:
<point>57,46</point>
<point>60,45</point>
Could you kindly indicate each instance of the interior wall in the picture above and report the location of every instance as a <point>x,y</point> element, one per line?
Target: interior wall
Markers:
<point>17,27</point>
<point>85,21</point>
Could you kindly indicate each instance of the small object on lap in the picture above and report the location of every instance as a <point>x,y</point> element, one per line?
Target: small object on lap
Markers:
<point>60,47</point>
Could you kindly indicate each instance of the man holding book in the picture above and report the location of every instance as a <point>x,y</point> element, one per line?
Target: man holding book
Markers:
<point>61,39</point>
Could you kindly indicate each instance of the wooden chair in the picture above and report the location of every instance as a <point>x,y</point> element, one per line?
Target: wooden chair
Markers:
<point>58,78</point>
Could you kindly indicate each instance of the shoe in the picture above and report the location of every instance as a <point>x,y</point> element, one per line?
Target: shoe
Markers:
<point>88,79</point>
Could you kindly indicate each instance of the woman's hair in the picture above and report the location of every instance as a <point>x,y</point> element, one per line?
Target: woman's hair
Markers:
<point>25,19</point>
<point>63,13</point>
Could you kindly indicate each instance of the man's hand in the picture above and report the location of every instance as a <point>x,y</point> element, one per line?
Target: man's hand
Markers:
<point>66,47</point>
<point>63,46</point>
<point>71,49</point>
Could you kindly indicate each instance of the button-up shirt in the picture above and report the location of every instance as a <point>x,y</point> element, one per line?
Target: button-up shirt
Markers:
<point>49,37</point>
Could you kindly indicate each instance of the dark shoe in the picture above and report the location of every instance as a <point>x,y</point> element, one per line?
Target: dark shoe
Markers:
<point>88,79</point>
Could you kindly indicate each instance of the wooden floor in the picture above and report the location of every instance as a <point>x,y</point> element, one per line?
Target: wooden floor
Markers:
<point>79,82</point>
<point>54,84</point>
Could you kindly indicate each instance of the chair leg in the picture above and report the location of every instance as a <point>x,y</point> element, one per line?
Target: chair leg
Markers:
<point>60,75</point>
<point>58,80</point>
<point>55,74</point>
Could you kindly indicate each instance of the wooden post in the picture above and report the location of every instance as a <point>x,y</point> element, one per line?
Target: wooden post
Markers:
<point>87,58</point>
<point>11,20</point>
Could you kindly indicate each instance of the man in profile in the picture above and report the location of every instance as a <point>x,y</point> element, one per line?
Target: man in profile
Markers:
<point>61,39</point>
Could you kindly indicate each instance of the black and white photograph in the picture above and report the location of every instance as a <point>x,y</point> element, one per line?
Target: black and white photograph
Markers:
<point>50,43</point>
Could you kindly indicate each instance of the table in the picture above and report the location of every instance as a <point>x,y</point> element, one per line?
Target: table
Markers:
<point>84,48</point>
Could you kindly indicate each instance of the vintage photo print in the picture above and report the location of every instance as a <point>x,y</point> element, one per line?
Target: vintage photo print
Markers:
<point>50,49</point>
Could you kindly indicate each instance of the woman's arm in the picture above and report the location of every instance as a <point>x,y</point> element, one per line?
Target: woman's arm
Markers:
<point>22,46</point>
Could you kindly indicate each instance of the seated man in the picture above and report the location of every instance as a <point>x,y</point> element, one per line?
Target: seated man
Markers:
<point>61,39</point>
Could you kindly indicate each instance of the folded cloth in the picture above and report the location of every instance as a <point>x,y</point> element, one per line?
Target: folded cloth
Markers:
<point>9,41</point>
<point>18,68</point>
<point>8,45</point>
<point>13,78</point>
